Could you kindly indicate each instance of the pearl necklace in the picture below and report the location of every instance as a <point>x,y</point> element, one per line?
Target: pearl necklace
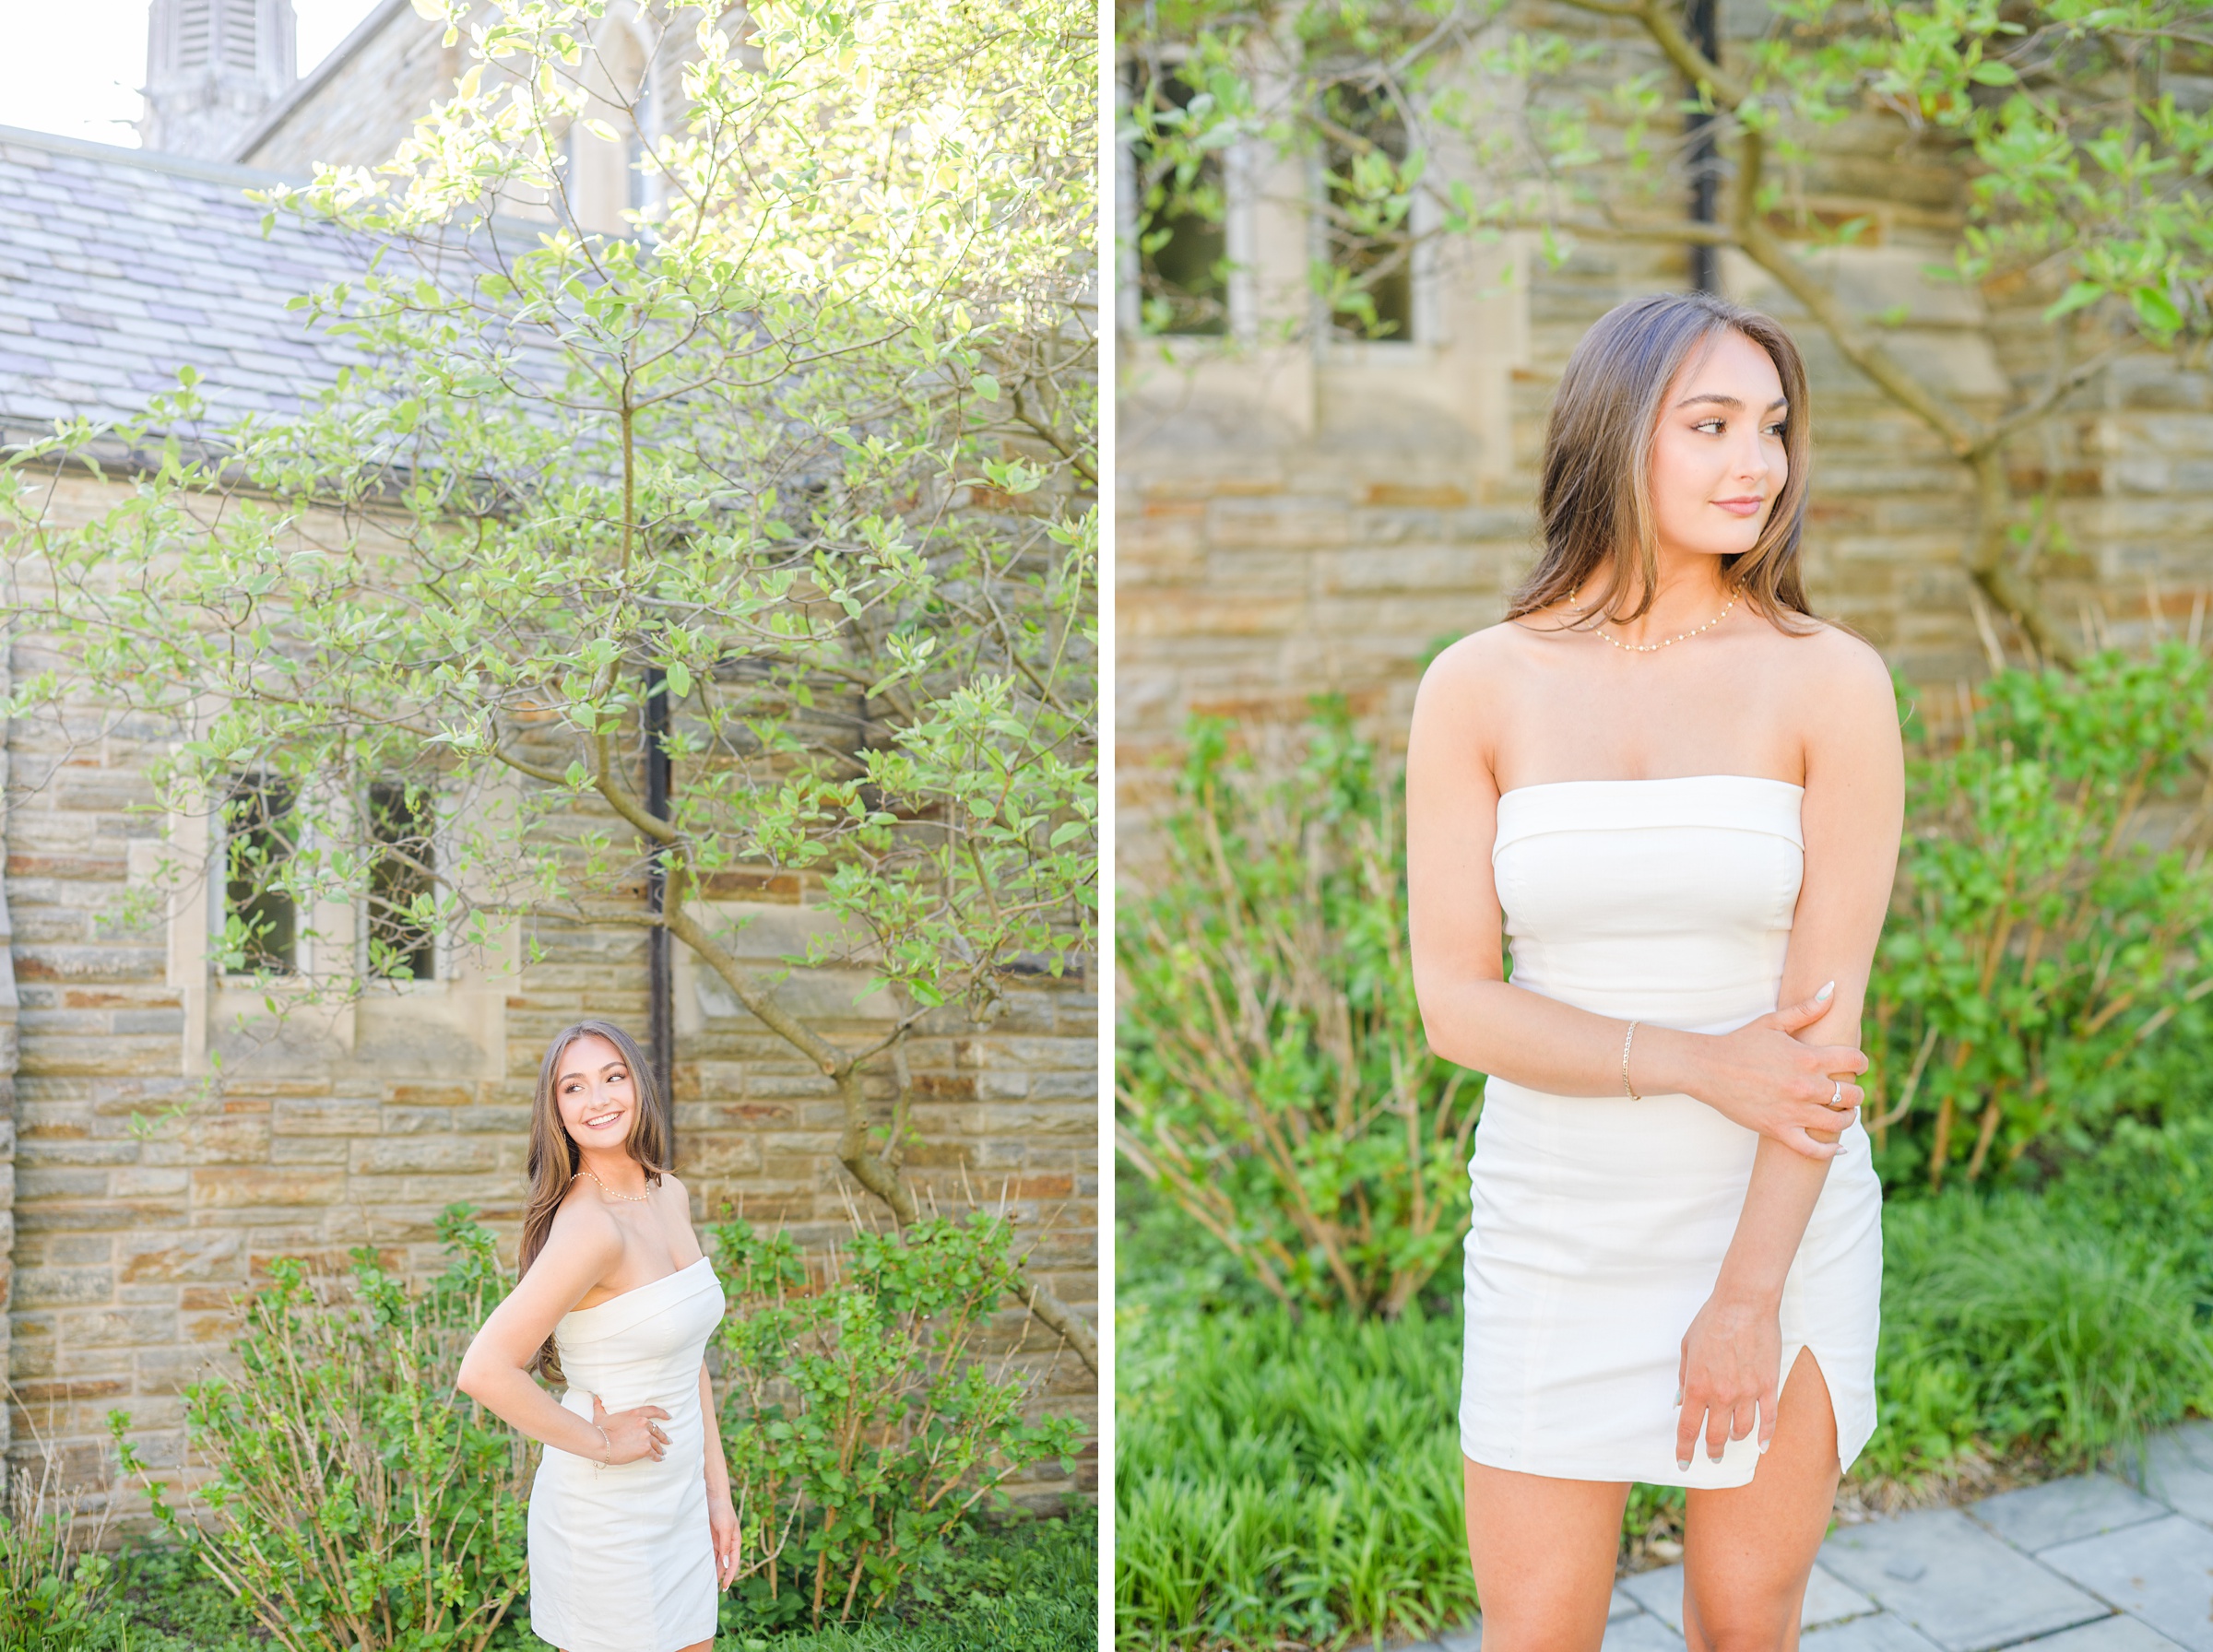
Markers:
<point>634,1198</point>
<point>1664,641</point>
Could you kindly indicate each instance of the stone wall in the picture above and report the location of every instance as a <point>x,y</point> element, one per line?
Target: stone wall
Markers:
<point>129,1254</point>
<point>1317,516</point>
<point>357,110</point>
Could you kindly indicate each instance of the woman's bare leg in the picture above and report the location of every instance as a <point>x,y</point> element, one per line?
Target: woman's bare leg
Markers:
<point>1544,1553</point>
<point>1746,1551</point>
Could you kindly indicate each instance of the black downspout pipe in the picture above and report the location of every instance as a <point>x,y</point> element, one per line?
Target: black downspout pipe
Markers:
<point>1704,20</point>
<point>660,980</point>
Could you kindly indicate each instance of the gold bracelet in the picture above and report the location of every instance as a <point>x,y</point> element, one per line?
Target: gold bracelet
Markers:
<point>1629,1088</point>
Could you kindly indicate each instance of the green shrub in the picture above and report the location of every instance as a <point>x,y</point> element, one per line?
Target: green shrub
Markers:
<point>2045,948</point>
<point>358,1502</point>
<point>1272,1078</point>
<point>860,1421</point>
<point>56,1591</point>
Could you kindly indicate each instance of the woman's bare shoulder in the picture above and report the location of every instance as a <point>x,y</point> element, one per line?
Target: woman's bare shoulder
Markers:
<point>1484,664</point>
<point>582,1225</point>
<point>1829,660</point>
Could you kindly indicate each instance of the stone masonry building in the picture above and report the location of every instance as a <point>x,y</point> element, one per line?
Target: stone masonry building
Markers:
<point>1301,511</point>
<point>123,1257</point>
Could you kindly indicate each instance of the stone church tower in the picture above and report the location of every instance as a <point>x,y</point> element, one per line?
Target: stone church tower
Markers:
<point>213,68</point>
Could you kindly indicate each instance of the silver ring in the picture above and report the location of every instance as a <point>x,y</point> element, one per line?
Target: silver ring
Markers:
<point>1836,1096</point>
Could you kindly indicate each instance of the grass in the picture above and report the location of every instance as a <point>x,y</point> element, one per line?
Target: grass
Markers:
<point>1280,1479</point>
<point>1026,1586</point>
<point>1284,1484</point>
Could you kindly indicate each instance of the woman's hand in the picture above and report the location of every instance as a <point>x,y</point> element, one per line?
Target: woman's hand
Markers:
<point>1730,1374</point>
<point>722,1525</point>
<point>1766,1080</point>
<point>631,1434</point>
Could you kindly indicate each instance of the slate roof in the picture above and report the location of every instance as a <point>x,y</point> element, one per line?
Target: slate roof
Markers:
<point>118,267</point>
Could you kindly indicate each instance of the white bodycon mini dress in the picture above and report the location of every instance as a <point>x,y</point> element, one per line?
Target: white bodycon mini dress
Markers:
<point>620,1557</point>
<point>1600,1222</point>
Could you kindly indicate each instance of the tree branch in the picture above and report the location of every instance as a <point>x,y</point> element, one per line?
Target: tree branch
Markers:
<point>862,1162</point>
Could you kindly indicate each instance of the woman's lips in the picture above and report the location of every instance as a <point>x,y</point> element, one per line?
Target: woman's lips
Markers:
<point>1741,507</point>
<point>602,1121</point>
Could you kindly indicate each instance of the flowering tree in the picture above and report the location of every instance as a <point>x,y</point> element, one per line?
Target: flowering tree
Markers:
<point>791,484</point>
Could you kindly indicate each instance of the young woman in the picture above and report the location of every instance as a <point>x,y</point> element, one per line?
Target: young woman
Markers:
<point>1675,797</point>
<point>632,1537</point>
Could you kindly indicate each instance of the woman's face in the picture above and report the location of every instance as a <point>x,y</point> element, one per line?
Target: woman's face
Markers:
<point>1717,459</point>
<point>594,1091</point>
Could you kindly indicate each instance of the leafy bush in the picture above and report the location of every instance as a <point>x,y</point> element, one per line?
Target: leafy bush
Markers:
<point>860,1421</point>
<point>57,1589</point>
<point>360,1502</point>
<point>2045,943</point>
<point>1273,1075</point>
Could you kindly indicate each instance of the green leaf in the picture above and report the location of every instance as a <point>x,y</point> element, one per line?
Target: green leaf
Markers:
<point>2076,296</point>
<point>2156,310</point>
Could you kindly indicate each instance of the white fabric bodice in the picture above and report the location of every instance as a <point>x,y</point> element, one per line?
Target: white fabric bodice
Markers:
<point>1664,900</point>
<point>643,1347</point>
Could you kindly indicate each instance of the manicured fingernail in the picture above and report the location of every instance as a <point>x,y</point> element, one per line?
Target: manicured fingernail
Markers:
<point>1678,1397</point>
<point>1682,1464</point>
<point>1763,1448</point>
<point>1823,995</point>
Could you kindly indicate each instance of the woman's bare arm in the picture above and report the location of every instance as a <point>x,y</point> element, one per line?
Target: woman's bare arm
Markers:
<point>1851,817</point>
<point>1760,1076</point>
<point>583,1247</point>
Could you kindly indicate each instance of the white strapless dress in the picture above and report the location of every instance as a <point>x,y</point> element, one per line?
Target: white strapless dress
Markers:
<point>1600,1222</point>
<point>621,1558</point>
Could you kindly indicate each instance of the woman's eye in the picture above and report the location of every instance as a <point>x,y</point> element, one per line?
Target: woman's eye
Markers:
<point>1712,425</point>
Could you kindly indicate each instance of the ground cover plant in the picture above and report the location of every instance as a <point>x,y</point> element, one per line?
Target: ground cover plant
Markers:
<point>1027,1585</point>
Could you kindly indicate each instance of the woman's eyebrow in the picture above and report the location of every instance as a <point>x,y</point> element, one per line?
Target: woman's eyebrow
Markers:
<point>1728,401</point>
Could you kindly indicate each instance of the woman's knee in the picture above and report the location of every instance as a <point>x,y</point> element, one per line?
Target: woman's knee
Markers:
<point>1742,1621</point>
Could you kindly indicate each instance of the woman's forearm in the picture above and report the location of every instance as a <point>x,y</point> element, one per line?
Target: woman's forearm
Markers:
<point>512,1396</point>
<point>719,1468</point>
<point>1779,1202</point>
<point>1541,1044</point>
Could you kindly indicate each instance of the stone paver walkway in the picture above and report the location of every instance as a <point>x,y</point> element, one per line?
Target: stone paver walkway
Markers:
<point>2086,1565</point>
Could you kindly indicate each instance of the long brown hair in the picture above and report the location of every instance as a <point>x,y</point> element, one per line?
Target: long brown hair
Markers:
<point>1595,498</point>
<point>555,1159</point>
